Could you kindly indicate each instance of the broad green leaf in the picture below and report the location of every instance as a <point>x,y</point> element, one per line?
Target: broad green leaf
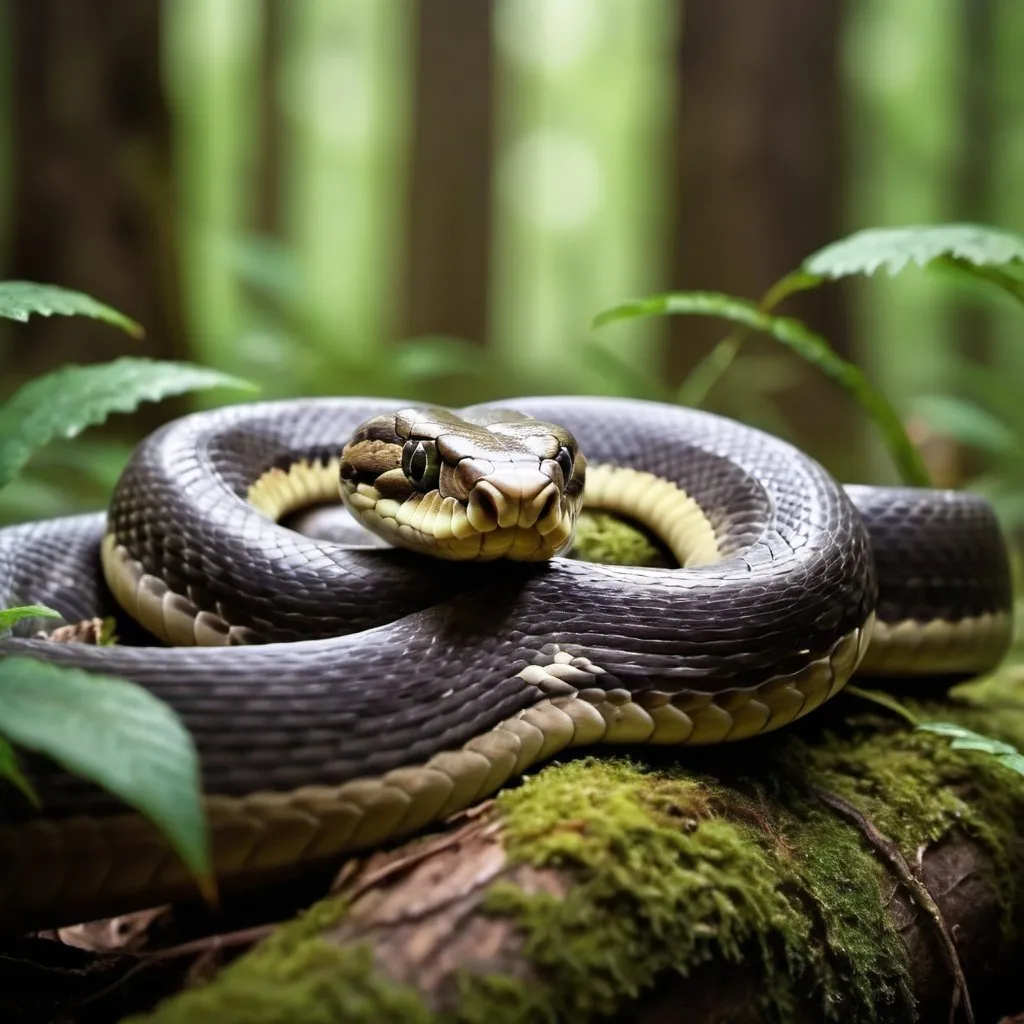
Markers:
<point>9,616</point>
<point>811,347</point>
<point>10,770</point>
<point>946,729</point>
<point>115,734</point>
<point>967,739</point>
<point>891,249</point>
<point>1015,762</point>
<point>884,700</point>
<point>1007,283</point>
<point>21,299</point>
<point>65,402</point>
<point>984,744</point>
<point>966,422</point>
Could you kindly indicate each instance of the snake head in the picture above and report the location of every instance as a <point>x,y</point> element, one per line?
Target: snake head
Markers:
<point>497,485</point>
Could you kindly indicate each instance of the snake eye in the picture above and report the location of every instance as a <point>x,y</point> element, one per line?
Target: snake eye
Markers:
<point>565,463</point>
<point>420,464</point>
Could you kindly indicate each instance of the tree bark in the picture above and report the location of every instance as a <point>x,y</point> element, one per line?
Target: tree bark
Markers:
<point>760,181</point>
<point>92,201</point>
<point>447,274</point>
<point>271,135</point>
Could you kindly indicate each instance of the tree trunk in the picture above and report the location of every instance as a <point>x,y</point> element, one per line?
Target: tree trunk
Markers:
<point>447,273</point>
<point>92,202</point>
<point>760,182</point>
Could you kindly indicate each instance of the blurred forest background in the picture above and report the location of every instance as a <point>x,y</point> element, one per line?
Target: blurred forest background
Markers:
<point>432,199</point>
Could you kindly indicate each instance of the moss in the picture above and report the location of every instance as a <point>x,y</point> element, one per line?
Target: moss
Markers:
<point>915,787</point>
<point>739,860</point>
<point>606,537</point>
<point>865,974</point>
<point>673,871</point>
<point>728,858</point>
<point>297,976</point>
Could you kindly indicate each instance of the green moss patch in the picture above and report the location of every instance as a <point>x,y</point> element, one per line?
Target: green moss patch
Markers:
<point>295,976</point>
<point>680,859</point>
<point>610,539</point>
<point>673,871</point>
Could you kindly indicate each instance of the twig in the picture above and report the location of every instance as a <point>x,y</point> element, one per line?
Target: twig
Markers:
<point>918,890</point>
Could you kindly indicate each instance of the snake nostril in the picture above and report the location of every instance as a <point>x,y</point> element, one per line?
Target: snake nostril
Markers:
<point>483,509</point>
<point>489,505</point>
<point>550,507</point>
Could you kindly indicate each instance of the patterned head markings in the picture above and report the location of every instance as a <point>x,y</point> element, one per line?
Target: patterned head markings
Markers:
<point>500,486</point>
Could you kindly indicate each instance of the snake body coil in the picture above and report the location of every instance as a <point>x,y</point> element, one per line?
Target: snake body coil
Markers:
<point>378,691</point>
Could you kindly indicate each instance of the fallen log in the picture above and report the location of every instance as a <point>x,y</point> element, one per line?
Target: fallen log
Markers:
<point>850,868</point>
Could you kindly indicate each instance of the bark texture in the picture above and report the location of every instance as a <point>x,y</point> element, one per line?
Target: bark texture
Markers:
<point>760,184</point>
<point>92,198</point>
<point>449,225</point>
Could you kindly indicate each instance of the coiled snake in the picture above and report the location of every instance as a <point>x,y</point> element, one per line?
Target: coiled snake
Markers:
<point>357,694</point>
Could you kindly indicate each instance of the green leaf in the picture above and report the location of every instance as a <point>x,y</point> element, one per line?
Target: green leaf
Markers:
<point>115,734</point>
<point>795,335</point>
<point>707,373</point>
<point>10,770</point>
<point>983,743</point>
<point>9,616</point>
<point>966,739</point>
<point>966,422</point>
<point>791,284</point>
<point>20,299</point>
<point>883,700</point>
<point>891,249</point>
<point>63,403</point>
<point>1007,283</point>
<point>1015,762</point>
<point>946,729</point>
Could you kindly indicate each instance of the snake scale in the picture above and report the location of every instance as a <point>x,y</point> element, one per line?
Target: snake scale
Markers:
<point>356,693</point>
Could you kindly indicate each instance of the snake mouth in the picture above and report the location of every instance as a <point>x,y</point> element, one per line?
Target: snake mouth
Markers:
<point>487,526</point>
<point>520,498</point>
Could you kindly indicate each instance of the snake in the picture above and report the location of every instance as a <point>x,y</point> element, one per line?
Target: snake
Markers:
<point>344,692</point>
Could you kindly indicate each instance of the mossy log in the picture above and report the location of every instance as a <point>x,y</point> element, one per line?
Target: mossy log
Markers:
<point>697,885</point>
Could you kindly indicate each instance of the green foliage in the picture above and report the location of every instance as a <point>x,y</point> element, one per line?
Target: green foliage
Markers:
<point>893,249</point>
<point>670,870</point>
<point>985,256</point>
<point>65,477</point>
<point>10,769</point>
<point>966,739</point>
<point>21,299</point>
<point>65,402</point>
<point>113,733</point>
<point>107,730</point>
<point>811,347</point>
<point>299,979</point>
<point>987,417</point>
<point>10,616</point>
<point>981,253</point>
<point>967,422</point>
